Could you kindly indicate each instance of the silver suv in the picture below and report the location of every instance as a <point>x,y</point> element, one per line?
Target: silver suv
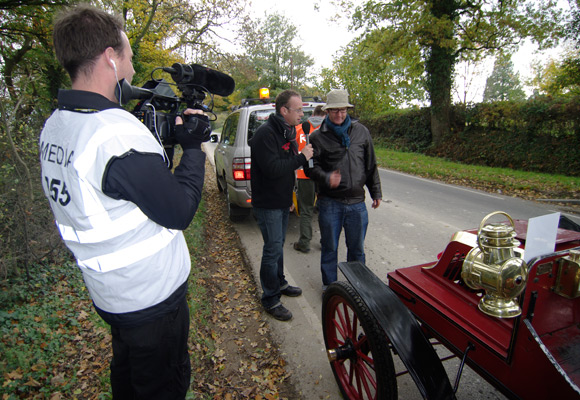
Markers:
<point>232,154</point>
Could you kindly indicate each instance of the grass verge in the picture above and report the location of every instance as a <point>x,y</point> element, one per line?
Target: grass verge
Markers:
<point>529,185</point>
<point>200,308</point>
<point>53,344</point>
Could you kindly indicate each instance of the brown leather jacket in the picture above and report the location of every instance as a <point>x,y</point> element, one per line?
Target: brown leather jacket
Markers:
<point>357,164</point>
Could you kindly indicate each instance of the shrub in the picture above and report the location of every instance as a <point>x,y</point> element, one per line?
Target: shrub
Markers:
<point>541,135</point>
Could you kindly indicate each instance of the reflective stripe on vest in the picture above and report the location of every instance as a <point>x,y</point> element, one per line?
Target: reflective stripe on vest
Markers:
<point>132,254</point>
<point>94,209</point>
<point>85,160</point>
<point>106,230</point>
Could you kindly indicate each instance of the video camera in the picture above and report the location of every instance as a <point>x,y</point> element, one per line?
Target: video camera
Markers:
<point>160,105</point>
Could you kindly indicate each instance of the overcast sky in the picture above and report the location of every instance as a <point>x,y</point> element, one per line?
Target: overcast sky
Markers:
<point>321,38</point>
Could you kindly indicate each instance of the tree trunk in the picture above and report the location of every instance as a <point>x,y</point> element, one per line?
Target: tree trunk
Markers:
<point>439,67</point>
<point>440,106</point>
<point>439,124</point>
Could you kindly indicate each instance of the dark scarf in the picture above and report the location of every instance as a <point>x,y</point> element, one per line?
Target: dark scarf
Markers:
<point>289,132</point>
<point>341,131</point>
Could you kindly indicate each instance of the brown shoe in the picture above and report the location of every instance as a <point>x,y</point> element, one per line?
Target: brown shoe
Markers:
<point>297,247</point>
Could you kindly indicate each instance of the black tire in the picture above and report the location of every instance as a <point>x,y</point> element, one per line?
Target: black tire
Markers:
<point>362,348</point>
<point>235,213</point>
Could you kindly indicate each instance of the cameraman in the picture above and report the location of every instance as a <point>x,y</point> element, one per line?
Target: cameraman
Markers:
<point>119,209</point>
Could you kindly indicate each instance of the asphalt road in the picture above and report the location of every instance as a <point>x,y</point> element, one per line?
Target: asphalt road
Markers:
<point>413,224</point>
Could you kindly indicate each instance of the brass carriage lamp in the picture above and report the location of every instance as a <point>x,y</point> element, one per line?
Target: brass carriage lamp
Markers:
<point>495,267</point>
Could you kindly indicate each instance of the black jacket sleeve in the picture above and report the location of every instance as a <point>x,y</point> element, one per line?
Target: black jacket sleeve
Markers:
<point>266,149</point>
<point>170,200</point>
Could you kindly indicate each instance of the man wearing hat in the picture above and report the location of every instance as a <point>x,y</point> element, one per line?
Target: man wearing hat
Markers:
<point>344,163</point>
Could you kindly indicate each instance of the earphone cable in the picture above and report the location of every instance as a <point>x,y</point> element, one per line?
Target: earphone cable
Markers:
<point>157,134</point>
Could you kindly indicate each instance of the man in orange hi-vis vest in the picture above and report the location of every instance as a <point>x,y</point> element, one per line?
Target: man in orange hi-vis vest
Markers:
<point>306,193</point>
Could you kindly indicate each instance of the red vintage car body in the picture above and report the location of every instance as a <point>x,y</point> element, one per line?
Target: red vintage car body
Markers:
<point>533,356</point>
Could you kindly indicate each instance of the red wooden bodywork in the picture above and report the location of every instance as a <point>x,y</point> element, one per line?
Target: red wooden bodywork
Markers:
<point>534,356</point>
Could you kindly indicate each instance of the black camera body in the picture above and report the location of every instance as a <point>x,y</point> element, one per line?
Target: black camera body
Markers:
<point>159,105</point>
<point>158,111</point>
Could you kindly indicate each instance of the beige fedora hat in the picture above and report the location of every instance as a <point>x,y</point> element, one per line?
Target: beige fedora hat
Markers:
<point>337,98</point>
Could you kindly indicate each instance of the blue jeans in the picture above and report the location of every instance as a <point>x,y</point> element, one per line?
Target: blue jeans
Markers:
<point>273,224</point>
<point>332,218</point>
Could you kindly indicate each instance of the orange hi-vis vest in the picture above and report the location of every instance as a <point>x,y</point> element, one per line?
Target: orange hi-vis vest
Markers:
<point>301,140</point>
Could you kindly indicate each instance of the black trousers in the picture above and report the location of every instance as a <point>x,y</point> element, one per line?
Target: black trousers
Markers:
<point>151,361</point>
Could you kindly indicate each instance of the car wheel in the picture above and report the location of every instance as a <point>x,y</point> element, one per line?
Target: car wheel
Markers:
<point>362,362</point>
<point>235,213</point>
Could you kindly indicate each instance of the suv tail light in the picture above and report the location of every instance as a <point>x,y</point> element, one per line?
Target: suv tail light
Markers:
<point>241,168</point>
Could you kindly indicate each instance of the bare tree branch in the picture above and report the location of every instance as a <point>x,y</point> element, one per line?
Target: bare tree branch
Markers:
<point>8,120</point>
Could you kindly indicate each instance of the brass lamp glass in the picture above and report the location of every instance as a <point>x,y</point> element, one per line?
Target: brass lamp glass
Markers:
<point>495,267</point>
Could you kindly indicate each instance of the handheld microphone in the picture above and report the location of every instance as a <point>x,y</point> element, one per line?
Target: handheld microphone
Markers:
<point>306,130</point>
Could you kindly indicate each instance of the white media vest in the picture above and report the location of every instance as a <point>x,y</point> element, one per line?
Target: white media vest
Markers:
<point>129,262</point>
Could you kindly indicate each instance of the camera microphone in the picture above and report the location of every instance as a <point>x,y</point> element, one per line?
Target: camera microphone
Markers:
<point>213,81</point>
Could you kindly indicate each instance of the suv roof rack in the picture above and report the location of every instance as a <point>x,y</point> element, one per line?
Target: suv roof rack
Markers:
<point>315,99</point>
<point>256,101</point>
<point>249,102</point>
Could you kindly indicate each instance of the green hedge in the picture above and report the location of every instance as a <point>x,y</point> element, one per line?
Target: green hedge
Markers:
<point>403,130</point>
<point>541,135</point>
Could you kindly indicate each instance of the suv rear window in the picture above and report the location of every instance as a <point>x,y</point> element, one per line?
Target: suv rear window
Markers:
<point>230,129</point>
<point>258,118</point>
